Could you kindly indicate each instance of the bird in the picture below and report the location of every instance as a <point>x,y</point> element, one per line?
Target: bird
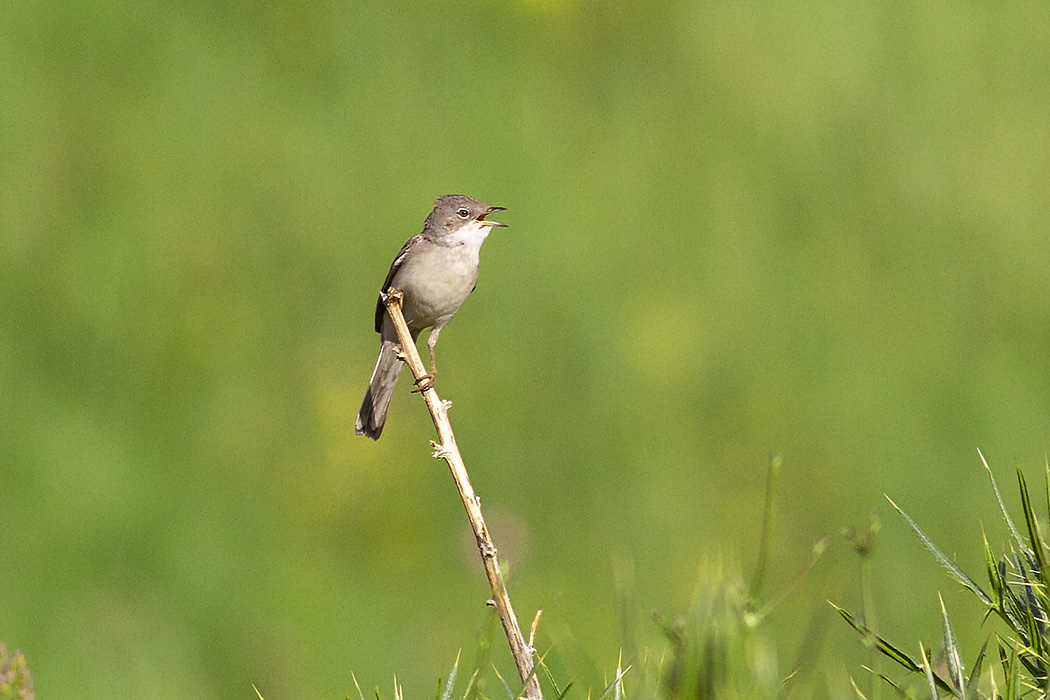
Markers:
<point>436,270</point>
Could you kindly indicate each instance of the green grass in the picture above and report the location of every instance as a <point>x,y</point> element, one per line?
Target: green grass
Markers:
<point>719,648</point>
<point>1018,596</point>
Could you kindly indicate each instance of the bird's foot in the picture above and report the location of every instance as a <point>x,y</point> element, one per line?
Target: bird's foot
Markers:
<point>424,383</point>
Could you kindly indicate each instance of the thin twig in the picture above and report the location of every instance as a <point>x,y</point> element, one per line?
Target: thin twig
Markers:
<point>447,450</point>
<point>532,632</point>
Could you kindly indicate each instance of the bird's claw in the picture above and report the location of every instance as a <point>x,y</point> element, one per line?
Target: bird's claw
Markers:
<point>424,383</point>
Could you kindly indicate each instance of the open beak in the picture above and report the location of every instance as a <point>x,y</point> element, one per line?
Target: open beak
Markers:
<point>488,211</point>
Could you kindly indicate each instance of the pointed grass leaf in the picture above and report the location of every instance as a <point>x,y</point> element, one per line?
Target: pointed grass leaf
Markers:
<point>1036,598</point>
<point>450,682</point>
<point>616,685</point>
<point>1011,671</point>
<point>360,695</point>
<point>903,693</point>
<point>562,694</point>
<point>1011,604</point>
<point>472,685</point>
<point>523,690</point>
<point>978,665</point>
<point>857,689</point>
<point>1002,506</point>
<point>1035,640</point>
<point>953,569</point>
<point>506,687</point>
<point>996,581</point>
<point>888,649</point>
<point>951,652</point>
<point>558,693</point>
<point>1034,538</point>
<point>928,672</point>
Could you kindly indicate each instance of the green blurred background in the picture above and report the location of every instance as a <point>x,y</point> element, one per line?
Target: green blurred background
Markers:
<point>818,228</point>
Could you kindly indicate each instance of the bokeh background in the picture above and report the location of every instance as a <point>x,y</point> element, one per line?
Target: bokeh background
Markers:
<point>816,228</point>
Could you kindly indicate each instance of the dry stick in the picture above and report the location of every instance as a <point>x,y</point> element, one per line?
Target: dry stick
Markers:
<point>448,451</point>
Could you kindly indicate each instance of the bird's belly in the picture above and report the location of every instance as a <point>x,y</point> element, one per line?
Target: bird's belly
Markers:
<point>434,298</point>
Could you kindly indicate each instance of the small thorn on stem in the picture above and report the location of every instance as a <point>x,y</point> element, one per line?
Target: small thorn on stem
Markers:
<point>532,632</point>
<point>440,451</point>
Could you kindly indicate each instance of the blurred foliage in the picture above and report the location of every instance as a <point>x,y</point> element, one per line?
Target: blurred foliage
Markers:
<point>714,653</point>
<point>811,227</point>
<point>16,682</point>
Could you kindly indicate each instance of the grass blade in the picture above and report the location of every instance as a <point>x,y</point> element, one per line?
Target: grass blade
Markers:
<point>902,693</point>
<point>472,686</point>
<point>450,682</point>
<point>928,671</point>
<point>360,694</point>
<point>1034,538</point>
<point>857,690</point>
<point>558,692</point>
<point>506,686</point>
<point>1011,672</point>
<point>1002,506</point>
<point>561,696</point>
<point>885,647</point>
<point>616,685</point>
<point>994,578</point>
<point>951,652</point>
<point>775,462</point>
<point>978,665</point>
<point>953,569</point>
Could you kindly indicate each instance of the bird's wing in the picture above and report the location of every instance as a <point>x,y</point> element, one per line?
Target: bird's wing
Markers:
<point>401,255</point>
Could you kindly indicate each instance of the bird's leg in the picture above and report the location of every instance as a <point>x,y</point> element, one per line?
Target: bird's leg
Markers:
<point>432,340</point>
<point>427,380</point>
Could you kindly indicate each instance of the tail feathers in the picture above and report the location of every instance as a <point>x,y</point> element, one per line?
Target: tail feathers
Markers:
<point>372,416</point>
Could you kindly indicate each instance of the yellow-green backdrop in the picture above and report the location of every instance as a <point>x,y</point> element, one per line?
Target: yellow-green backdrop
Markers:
<point>812,227</point>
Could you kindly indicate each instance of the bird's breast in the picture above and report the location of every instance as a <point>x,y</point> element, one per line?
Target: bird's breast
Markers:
<point>436,284</point>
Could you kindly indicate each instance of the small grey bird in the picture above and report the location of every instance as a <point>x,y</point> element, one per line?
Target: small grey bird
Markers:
<point>437,270</point>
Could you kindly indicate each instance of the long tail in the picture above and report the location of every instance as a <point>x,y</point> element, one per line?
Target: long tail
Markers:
<point>372,416</point>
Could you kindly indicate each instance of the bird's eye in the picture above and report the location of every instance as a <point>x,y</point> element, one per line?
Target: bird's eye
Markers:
<point>463,212</point>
